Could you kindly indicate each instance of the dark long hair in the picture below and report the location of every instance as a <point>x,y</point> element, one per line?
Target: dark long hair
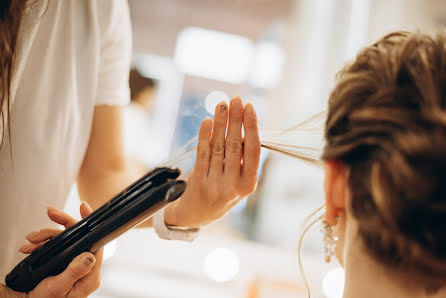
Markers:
<point>11,14</point>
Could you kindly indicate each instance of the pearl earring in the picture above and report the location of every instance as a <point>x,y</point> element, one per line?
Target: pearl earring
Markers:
<point>329,240</point>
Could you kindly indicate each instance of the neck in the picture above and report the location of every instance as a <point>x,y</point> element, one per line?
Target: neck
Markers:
<point>366,278</point>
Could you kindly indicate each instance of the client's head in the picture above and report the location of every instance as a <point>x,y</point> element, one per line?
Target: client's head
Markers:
<point>385,155</point>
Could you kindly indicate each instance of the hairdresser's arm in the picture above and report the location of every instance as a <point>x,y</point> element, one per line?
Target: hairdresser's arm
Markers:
<point>105,170</point>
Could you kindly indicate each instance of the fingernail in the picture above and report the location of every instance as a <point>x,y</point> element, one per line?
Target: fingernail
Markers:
<point>32,235</point>
<point>223,107</point>
<point>25,247</point>
<point>87,260</point>
<point>237,100</point>
<point>53,210</point>
<point>249,109</point>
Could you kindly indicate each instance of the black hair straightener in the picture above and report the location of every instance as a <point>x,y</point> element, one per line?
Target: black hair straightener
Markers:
<point>127,209</point>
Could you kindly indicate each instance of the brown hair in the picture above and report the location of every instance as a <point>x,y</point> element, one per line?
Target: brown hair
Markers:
<point>11,13</point>
<point>138,83</point>
<point>386,123</point>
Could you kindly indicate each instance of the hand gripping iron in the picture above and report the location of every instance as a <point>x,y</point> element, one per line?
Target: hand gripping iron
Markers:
<point>127,209</point>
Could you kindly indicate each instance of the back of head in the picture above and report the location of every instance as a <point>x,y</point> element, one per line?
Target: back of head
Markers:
<point>387,123</point>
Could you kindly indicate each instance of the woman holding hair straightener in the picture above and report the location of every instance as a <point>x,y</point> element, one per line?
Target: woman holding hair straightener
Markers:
<point>384,161</point>
<point>64,69</point>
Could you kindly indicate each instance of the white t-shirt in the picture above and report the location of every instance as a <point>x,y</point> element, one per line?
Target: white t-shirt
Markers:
<point>74,55</point>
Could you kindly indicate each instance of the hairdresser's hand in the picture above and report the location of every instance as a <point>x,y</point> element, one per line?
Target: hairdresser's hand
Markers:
<point>225,169</point>
<point>81,277</point>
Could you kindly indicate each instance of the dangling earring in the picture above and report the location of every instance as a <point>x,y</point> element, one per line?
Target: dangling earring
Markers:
<point>329,240</point>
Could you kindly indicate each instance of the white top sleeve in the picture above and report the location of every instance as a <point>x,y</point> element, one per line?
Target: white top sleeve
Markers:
<point>115,53</point>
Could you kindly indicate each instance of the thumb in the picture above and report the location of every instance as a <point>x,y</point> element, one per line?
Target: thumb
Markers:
<point>78,268</point>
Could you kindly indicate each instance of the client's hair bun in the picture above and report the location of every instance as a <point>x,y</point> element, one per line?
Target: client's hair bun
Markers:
<point>387,122</point>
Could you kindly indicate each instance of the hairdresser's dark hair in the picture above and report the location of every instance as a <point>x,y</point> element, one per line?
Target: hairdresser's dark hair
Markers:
<point>11,14</point>
<point>386,123</point>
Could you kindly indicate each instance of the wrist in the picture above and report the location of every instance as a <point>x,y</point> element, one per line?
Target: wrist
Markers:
<point>165,231</point>
<point>170,215</point>
<point>173,220</point>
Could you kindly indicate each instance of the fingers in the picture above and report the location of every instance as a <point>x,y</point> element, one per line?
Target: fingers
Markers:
<point>28,248</point>
<point>203,149</point>
<point>42,235</point>
<point>37,239</point>
<point>96,271</point>
<point>64,284</point>
<point>85,209</point>
<point>77,269</point>
<point>218,139</point>
<point>233,147</point>
<point>89,283</point>
<point>81,277</point>
<point>66,220</point>
<point>251,149</point>
<point>60,217</point>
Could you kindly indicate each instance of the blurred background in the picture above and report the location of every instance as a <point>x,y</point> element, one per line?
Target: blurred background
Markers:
<point>282,55</point>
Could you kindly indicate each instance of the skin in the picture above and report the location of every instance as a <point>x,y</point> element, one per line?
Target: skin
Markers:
<point>82,276</point>
<point>225,172</point>
<point>217,182</point>
<point>364,277</point>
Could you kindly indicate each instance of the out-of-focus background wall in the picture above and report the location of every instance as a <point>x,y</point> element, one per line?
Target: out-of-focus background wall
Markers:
<point>282,55</point>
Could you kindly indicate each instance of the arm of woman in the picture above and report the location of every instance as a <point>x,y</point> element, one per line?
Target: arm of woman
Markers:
<point>225,169</point>
<point>104,171</point>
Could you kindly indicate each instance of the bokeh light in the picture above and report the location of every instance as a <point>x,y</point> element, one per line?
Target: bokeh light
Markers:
<point>214,98</point>
<point>221,265</point>
<point>333,283</point>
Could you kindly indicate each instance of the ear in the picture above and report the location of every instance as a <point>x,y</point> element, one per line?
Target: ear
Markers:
<point>335,187</point>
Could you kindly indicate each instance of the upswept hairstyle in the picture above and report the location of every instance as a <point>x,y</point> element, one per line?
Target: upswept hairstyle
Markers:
<point>386,123</point>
